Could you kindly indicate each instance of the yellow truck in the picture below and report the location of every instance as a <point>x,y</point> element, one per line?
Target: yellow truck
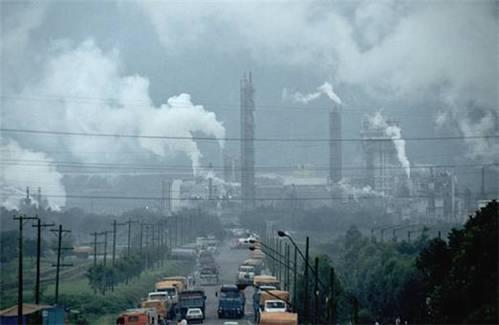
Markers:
<point>179,278</point>
<point>265,280</point>
<point>279,318</point>
<point>162,307</point>
<point>273,295</point>
<point>257,264</point>
<point>257,254</point>
<point>171,287</point>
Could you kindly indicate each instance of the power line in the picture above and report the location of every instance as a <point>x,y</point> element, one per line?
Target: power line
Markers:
<point>228,107</point>
<point>201,138</point>
<point>158,198</point>
<point>76,164</point>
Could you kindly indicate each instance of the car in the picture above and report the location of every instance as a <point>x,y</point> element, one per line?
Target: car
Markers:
<point>194,315</point>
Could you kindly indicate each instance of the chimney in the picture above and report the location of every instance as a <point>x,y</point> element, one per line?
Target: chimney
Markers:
<point>335,159</point>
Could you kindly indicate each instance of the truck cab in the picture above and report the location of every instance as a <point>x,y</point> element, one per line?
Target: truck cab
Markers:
<point>275,305</point>
<point>171,288</point>
<point>231,302</point>
<point>189,299</point>
<point>138,316</point>
<point>246,274</point>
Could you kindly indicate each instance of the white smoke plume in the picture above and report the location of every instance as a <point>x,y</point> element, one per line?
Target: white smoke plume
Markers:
<point>410,50</point>
<point>21,168</point>
<point>356,192</point>
<point>325,89</point>
<point>395,133</point>
<point>83,89</point>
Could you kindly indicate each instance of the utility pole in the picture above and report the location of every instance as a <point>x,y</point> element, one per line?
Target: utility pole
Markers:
<point>170,233</point>
<point>129,240</point>
<point>316,291</point>
<point>182,218</point>
<point>39,226</point>
<point>115,224</point>
<point>305,285</point>
<point>176,230</point>
<point>287,266</point>
<point>482,187</point>
<point>295,294</point>
<point>58,266</point>
<point>95,234</point>
<point>105,233</point>
<point>141,237</point>
<point>21,219</point>
<point>332,302</point>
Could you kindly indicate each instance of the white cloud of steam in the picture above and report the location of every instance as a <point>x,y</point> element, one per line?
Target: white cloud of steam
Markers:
<point>412,50</point>
<point>94,96</point>
<point>356,192</point>
<point>395,133</point>
<point>324,89</point>
<point>22,171</point>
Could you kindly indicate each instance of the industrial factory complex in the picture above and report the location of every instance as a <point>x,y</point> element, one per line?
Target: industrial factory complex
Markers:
<point>421,193</point>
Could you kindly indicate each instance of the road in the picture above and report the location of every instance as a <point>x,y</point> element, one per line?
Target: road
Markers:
<point>229,260</point>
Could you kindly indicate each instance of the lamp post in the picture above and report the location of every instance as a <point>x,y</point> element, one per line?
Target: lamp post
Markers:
<point>277,260</point>
<point>307,266</point>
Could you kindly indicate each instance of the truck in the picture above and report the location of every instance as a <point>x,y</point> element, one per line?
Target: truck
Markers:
<point>231,302</point>
<point>171,287</point>
<point>191,298</point>
<point>274,296</point>
<point>258,254</point>
<point>268,280</point>
<point>185,253</point>
<point>245,275</point>
<point>256,263</point>
<point>163,308</point>
<point>138,316</point>
<point>279,318</point>
<point>180,278</point>
<point>275,305</point>
<point>256,297</point>
<point>208,276</point>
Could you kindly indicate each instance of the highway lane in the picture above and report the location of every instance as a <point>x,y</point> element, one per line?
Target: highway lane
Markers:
<point>228,260</point>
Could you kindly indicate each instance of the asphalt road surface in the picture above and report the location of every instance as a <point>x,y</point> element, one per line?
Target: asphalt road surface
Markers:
<point>228,260</point>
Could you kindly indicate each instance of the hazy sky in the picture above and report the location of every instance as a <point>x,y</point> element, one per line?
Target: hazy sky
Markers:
<point>122,67</point>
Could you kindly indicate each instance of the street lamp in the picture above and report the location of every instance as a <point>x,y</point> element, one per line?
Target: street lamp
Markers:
<point>252,248</point>
<point>282,233</point>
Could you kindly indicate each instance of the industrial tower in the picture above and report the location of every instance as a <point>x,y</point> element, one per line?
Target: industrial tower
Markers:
<point>335,144</point>
<point>247,142</point>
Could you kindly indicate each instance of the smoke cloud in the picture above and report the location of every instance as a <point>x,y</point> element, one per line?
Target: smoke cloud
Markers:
<point>356,192</point>
<point>410,50</point>
<point>83,89</point>
<point>395,133</point>
<point>324,89</point>
<point>21,168</point>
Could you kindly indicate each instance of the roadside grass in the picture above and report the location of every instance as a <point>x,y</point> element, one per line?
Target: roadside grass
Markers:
<point>76,294</point>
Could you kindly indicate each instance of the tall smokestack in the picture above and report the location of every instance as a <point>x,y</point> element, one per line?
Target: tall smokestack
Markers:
<point>167,196</point>
<point>247,142</point>
<point>335,164</point>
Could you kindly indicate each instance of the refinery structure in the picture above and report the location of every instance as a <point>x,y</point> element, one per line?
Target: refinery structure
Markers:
<point>386,178</point>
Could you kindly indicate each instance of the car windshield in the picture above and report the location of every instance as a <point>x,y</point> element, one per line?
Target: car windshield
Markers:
<point>158,296</point>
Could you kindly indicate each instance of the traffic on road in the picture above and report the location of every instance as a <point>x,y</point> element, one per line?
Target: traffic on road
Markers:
<point>230,285</point>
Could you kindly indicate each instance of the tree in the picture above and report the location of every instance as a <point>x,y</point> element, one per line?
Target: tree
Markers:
<point>461,276</point>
